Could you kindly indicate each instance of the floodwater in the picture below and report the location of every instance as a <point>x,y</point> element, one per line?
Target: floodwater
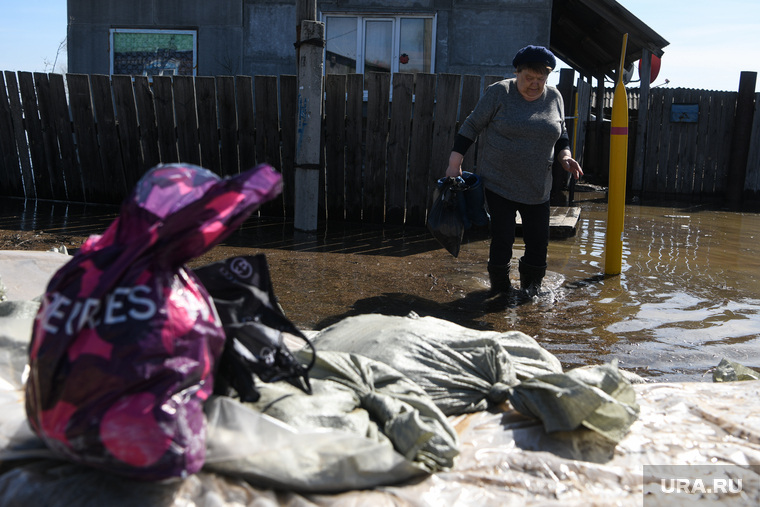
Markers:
<point>687,296</point>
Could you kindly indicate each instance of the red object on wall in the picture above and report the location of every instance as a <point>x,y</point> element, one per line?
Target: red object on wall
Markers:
<point>654,69</point>
<point>404,58</point>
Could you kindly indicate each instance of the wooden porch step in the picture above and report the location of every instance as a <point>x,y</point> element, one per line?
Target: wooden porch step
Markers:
<point>563,221</point>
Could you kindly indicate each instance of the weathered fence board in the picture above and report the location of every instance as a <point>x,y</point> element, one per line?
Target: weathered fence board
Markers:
<point>10,179</point>
<point>421,149</point>
<point>398,147</point>
<point>246,122</point>
<point>146,118</point>
<point>64,139</point>
<point>378,91</point>
<point>228,142</point>
<point>208,133</point>
<point>125,110</point>
<point>80,102</point>
<point>752,183</point>
<point>186,115</point>
<point>164,104</point>
<point>335,134</point>
<point>700,170</point>
<point>354,143</point>
<point>444,129</point>
<point>267,126</point>
<point>37,145</point>
<point>110,152</point>
<point>24,182</point>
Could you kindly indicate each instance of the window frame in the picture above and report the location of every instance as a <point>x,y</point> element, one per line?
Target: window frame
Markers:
<point>114,31</point>
<point>395,18</point>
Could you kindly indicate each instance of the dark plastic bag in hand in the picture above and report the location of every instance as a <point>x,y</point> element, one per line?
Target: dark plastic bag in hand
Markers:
<point>445,220</point>
<point>124,346</point>
<point>458,204</point>
<point>242,292</point>
<point>472,200</point>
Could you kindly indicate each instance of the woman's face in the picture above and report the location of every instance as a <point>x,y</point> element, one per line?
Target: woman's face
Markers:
<point>531,84</point>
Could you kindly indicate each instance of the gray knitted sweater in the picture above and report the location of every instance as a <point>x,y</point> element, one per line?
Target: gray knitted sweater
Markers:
<point>517,138</point>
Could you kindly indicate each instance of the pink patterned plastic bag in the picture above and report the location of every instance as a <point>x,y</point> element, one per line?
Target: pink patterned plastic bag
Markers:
<point>125,343</point>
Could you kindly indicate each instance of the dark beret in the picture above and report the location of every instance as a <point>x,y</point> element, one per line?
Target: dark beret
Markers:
<point>535,54</point>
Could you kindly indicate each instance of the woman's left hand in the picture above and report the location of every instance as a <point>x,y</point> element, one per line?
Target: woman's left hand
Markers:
<point>570,165</point>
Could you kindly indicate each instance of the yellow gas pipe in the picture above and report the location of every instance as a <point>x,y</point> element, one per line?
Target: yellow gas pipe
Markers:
<point>613,244</point>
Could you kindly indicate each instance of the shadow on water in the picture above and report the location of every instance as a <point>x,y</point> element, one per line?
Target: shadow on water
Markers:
<point>688,294</point>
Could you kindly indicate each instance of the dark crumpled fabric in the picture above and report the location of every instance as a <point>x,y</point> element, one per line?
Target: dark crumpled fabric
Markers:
<point>255,326</point>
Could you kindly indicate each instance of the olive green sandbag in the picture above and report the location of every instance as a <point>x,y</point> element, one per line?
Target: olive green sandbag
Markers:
<point>729,371</point>
<point>463,370</point>
<point>368,398</point>
<point>599,398</point>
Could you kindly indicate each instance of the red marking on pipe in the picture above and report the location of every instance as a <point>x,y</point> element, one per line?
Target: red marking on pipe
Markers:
<point>619,131</point>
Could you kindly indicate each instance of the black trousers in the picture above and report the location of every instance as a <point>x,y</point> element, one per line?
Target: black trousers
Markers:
<point>535,226</point>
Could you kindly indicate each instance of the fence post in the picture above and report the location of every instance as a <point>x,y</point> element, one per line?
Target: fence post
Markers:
<point>308,126</point>
<point>637,182</point>
<point>739,154</point>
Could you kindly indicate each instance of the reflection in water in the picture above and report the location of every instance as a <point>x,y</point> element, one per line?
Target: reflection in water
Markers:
<point>687,295</point>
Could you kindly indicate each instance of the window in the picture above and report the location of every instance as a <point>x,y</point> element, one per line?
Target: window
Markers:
<point>153,52</point>
<point>359,44</point>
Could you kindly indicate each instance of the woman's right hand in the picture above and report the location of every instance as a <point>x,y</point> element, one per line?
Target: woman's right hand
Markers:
<point>455,165</point>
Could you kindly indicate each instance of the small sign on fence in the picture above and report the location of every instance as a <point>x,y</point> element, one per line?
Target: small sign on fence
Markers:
<point>684,113</point>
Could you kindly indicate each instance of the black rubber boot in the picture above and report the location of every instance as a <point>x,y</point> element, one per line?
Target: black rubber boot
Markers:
<point>530,278</point>
<point>499,276</point>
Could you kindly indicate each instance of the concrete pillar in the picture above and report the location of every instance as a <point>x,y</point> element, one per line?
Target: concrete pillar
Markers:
<point>308,126</point>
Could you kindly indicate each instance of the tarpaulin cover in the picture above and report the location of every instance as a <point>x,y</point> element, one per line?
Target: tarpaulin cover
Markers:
<point>506,459</point>
<point>123,349</point>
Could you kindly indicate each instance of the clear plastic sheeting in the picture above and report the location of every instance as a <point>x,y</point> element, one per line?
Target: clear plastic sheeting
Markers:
<point>506,459</point>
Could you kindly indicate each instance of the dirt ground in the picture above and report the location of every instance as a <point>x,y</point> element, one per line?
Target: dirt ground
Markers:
<point>37,240</point>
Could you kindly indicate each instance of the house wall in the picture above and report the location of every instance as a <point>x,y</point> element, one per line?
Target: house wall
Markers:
<point>255,37</point>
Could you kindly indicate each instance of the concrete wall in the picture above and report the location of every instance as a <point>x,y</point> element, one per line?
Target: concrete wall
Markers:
<point>255,37</point>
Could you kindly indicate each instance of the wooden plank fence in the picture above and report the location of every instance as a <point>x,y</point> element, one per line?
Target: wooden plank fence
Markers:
<point>690,158</point>
<point>89,138</point>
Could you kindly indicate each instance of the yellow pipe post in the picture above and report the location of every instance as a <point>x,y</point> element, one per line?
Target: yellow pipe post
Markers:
<point>613,259</point>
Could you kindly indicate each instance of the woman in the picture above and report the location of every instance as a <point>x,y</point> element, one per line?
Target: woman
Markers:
<point>521,125</point>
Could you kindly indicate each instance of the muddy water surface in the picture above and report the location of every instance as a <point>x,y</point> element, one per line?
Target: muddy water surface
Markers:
<point>687,297</point>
